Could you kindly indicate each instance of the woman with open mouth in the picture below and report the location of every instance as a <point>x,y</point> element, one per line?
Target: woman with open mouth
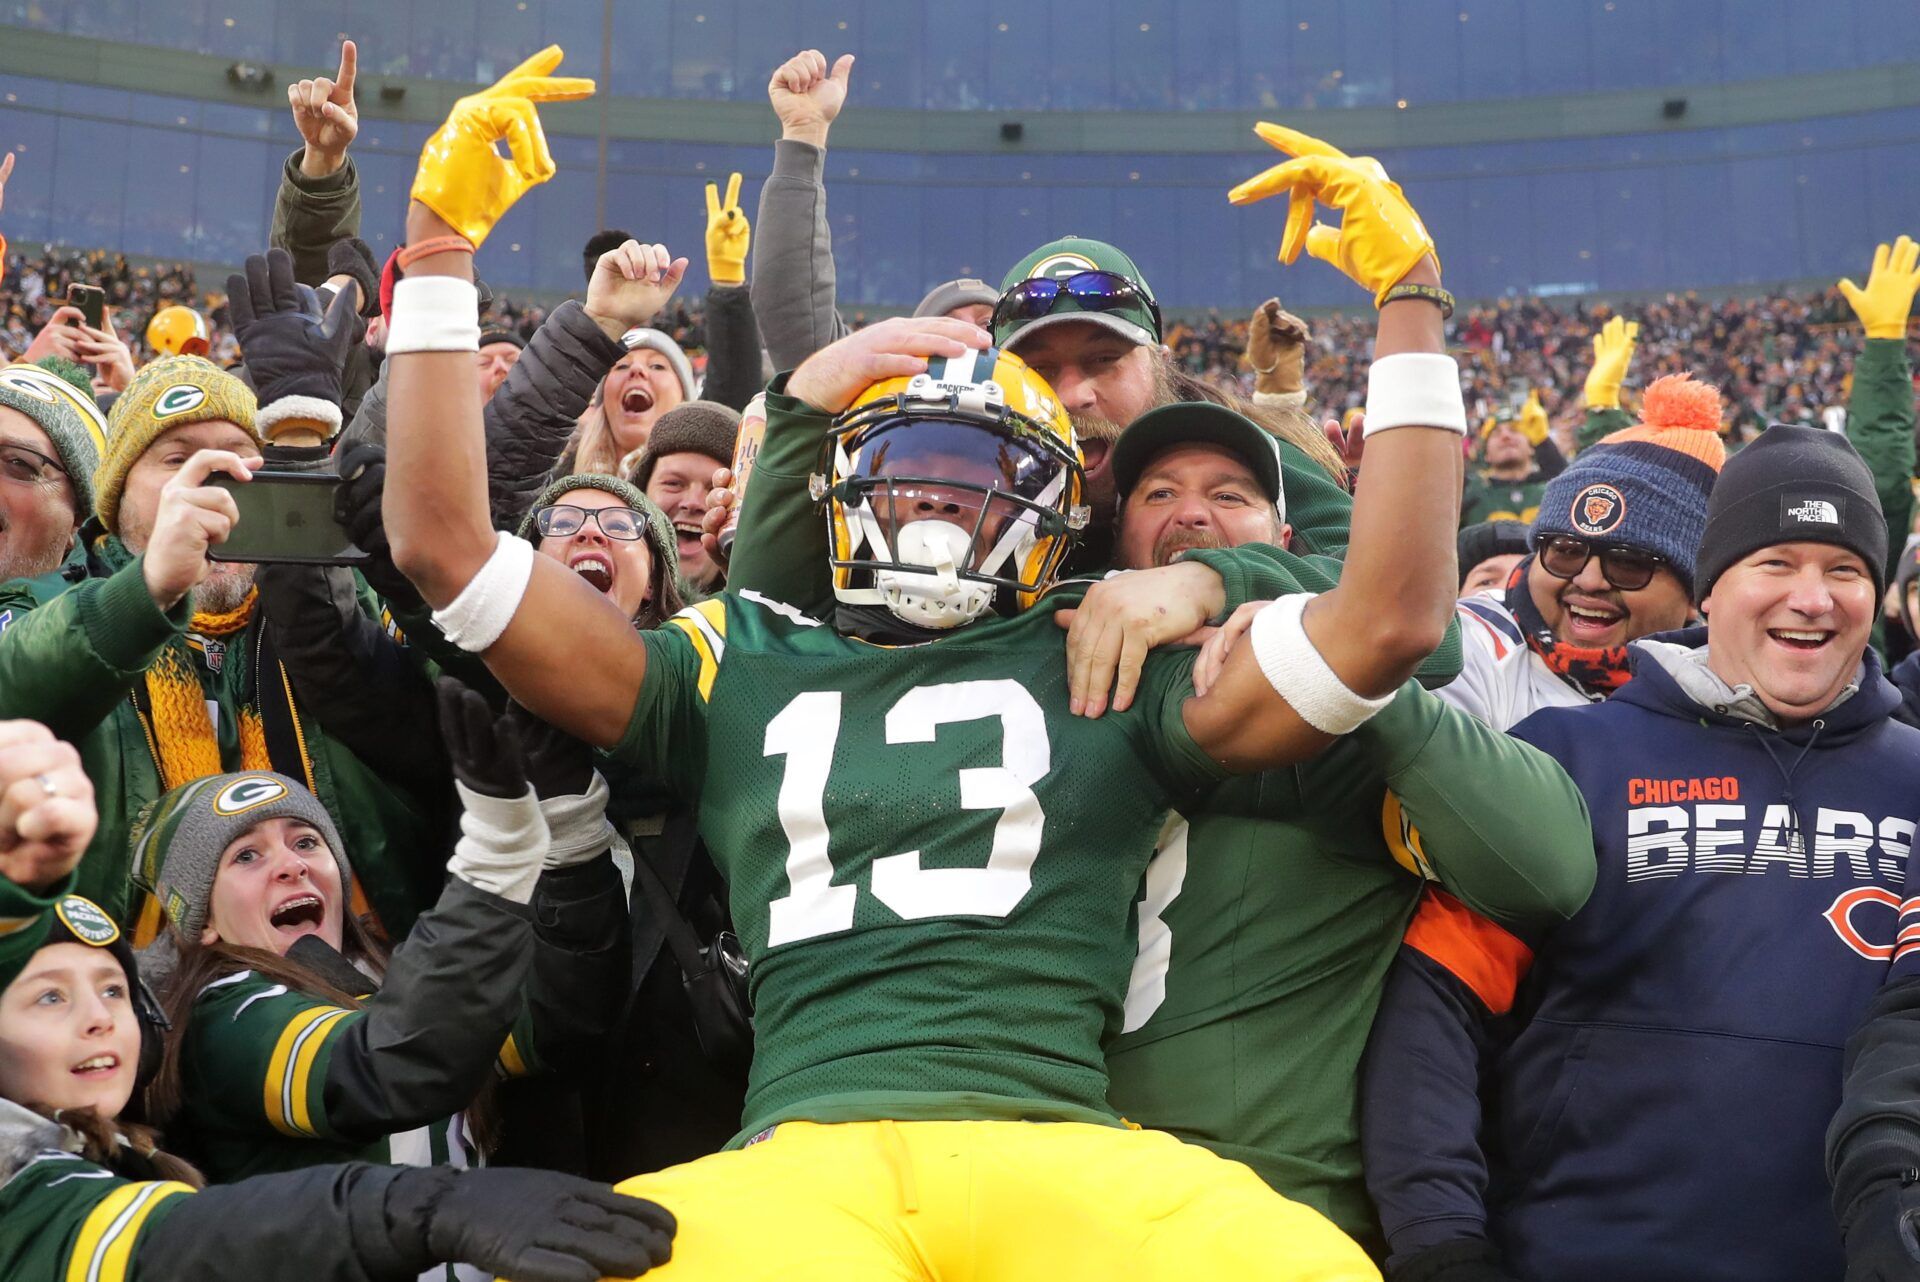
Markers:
<point>616,538</point>
<point>86,1191</point>
<point>298,1039</point>
<point>652,378</point>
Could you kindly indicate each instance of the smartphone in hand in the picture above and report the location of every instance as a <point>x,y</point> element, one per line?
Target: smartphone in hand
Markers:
<point>287,518</point>
<point>92,302</point>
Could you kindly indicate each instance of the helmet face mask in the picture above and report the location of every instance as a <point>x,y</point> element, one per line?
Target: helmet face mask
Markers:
<point>944,500</point>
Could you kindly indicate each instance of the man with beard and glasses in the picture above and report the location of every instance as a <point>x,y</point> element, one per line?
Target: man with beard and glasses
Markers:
<point>1612,561</point>
<point>157,664</point>
<point>50,438</point>
<point>1272,910</point>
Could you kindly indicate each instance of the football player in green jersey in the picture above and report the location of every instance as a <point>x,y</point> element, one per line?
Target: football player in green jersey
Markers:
<point>931,858</point>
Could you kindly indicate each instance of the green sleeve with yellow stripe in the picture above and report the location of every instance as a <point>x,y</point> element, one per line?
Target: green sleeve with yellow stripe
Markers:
<point>65,1219</point>
<point>666,737</point>
<point>257,1057</point>
<point>1495,821</point>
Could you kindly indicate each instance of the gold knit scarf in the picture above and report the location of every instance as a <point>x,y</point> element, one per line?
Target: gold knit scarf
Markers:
<point>184,738</point>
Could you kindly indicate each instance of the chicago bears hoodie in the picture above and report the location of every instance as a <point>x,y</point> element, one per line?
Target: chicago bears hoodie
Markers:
<point>1641,1095</point>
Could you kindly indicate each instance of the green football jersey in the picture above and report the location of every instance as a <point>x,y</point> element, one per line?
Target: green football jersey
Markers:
<point>1268,923</point>
<point>62,1216</point>
<point>931,864</point>
<point>254,1071</point>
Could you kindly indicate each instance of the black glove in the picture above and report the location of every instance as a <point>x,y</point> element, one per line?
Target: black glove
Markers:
<point>1471,1260</point>
<point>1882,1244</point>
<point>356,505</point>
<point>352,257</point>
<point>532,1226</point>
<point>289,347</point>
<point>558,765</point>
<point>484,749</point>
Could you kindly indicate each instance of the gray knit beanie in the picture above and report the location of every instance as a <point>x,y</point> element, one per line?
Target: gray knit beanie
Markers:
<point>947,295</point>
<point>695,427</point>
<point>178,839</point>
<point>654,340</point>
<point>54,394</point>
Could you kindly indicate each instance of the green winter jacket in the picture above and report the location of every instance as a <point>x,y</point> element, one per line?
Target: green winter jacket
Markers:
<point>74,656</point>
<point>1880,414</point>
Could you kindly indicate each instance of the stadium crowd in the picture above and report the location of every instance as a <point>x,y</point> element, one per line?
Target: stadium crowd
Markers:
<point>1020,790</point>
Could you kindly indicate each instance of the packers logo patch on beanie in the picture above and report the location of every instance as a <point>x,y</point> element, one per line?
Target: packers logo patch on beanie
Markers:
<point>179,399</point>
<point>168,393</point>
<point>86,921</point>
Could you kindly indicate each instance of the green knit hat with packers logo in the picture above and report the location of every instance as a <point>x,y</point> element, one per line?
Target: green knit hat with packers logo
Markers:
<point>1135,318</point>
<point>177,839</point>
<point>55,394</point>
<point>167,393</point>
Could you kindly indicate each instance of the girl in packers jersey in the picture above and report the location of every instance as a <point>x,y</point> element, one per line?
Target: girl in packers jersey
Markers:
<point>86,1192</point>
<point>297,1040</point>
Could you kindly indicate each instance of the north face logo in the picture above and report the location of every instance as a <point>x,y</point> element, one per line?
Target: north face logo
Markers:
<point>1810,511</point>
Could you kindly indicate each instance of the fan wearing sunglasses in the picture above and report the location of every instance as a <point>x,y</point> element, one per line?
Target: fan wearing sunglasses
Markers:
<point>1613,551</point>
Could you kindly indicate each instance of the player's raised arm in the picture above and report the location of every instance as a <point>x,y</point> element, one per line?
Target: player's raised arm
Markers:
<point>521,612</point>
<point>1317,666</point>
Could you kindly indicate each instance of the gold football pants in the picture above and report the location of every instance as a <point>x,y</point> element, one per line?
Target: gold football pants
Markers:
<point>986,1202</point>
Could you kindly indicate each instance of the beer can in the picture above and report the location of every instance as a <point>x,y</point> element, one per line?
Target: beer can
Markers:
<point>746,448</point>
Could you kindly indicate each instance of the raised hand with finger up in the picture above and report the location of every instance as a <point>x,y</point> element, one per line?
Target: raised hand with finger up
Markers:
<point>326,115</point>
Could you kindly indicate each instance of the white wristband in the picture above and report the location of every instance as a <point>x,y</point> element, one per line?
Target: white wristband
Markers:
<point>503,843</point>
<point>434,314</point>
<point>1300,676</point>
<point>475,619</point>
<point>1413,389</point>
<point>577,825</point>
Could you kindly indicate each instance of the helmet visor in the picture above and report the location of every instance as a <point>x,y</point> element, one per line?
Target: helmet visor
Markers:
<point>997,489</point>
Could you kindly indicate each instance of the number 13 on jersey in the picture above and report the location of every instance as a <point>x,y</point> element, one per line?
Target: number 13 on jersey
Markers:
<point>805,734</point>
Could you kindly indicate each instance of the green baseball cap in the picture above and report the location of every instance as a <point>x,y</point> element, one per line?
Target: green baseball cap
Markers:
<point>1137,320</point>
<point>1198,423</point>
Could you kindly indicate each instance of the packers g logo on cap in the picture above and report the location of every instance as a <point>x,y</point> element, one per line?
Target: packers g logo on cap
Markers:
<point>178,399</point>
<point>1060,266</point>
<point>243,795</point>
<point>1598,509</point>
<point>86,920</point>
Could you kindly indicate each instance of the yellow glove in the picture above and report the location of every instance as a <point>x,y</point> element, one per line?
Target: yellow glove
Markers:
<point>1613,350</point>
<point>1533,418</point>
<point>728,234</point>
<point>1884,305</point>
<point>1379,239</point>
<point>462,178</point>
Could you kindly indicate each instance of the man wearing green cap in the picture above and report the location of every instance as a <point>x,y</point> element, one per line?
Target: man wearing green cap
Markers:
<point>1081,313</point>
<point>1270,914</point>
<point>50,437</point>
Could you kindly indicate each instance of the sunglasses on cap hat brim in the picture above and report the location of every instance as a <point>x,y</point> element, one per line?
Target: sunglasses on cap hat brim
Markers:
<point>1093,291</point>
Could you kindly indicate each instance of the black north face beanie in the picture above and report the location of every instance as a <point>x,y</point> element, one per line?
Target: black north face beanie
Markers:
<point>1793,485</point>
